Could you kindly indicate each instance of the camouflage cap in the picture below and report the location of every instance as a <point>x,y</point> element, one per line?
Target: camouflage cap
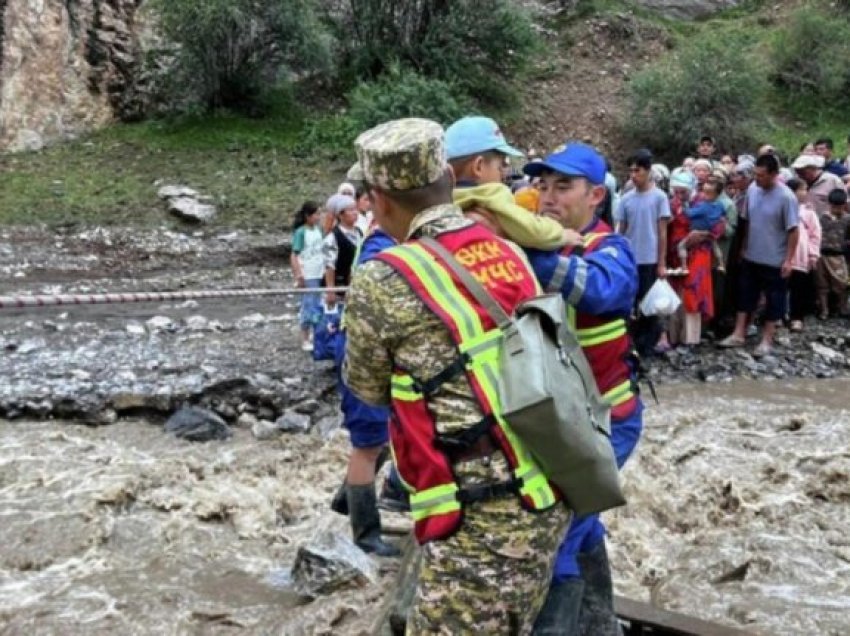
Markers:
<point>402,154</point>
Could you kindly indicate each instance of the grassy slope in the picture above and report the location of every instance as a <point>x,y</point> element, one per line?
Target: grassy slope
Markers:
<point>252,167</point>
<point>258,170</point>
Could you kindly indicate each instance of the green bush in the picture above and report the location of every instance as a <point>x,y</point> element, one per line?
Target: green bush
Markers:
<point>404,93</point>
<point>810,56</point>
<point>711,87</point>
<point>229,51</point>
<point>478,45</point>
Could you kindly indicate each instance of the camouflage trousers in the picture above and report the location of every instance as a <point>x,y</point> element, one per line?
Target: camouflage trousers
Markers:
<point>492,576</point>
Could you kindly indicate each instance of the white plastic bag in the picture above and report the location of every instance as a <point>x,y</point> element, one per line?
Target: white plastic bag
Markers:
<point>660,300</point>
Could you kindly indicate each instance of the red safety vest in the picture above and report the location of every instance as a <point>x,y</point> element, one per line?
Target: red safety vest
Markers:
<point>419,452</point>
<point>606,344</point>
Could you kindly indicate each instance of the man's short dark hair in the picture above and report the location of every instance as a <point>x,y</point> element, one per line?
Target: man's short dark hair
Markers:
<point>838,197</point>
<point>641,159</point>
<point>707,138</point>
<point>825,141</point>
<point>769,162</point>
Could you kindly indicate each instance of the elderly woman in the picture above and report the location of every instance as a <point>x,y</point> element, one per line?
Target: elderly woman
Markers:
<point>340,244</point>
<point>702,171</point>
<point>695,288</point>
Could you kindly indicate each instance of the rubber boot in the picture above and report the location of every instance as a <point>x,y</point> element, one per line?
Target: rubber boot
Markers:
<point>394,497</point>
<point>366,522</point>
<point>560,613</point>
<point>597,615</point>
<point>339,503</point>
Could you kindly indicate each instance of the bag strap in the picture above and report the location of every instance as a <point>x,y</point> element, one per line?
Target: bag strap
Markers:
<point>497,314</point>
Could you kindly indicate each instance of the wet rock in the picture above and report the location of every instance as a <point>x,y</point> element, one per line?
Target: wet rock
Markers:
<point>197,323</point>
<point>176,191</point>
<point>197,425</point>
<point>329,563</point>
<point>161,323</point>
<point>190,209</point>
<point>135,329</point>
<point>830,356</point>
<point>246,420</point>
<point>293,422</point>
<point>129,401</point>
<point>264,430</point>
<point>251,321</point>
<point>307,407</point>
<point>42,408</point>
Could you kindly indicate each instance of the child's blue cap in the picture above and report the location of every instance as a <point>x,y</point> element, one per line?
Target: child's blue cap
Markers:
<point>475,135</point>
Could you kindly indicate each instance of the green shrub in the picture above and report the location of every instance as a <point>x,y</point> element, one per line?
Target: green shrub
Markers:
<point>709,87</point>
<point>478,45</point>
<point>228,51</point>
<point>404,93</point>
<point>810,55</point>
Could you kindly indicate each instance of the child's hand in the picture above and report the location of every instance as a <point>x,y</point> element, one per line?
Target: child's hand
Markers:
<point>572,238</point>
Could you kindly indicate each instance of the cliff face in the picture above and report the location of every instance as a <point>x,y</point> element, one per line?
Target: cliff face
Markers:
<point>66,66</point>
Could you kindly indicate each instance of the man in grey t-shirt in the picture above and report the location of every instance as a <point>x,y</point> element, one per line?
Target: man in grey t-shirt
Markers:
<point>771,240</point>
<point>642,216</point>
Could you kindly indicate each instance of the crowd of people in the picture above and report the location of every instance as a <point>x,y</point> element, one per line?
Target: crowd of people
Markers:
<point>743,239</point>
<point>736,236</point>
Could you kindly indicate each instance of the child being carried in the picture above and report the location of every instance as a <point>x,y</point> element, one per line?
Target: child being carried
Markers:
<point>703,216</point>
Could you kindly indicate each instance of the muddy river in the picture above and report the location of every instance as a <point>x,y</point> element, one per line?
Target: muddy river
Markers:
<point>738,513</point>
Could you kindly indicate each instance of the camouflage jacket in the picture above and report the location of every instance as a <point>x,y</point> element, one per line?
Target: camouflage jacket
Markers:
<point>389,325</point>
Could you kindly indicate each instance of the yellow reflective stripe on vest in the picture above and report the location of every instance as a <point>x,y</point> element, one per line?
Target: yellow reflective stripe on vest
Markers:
<point>441,286</point>
<point>438,500</point>
<point>619,394</point>
<point>483,366</point>
<point>401,388</point>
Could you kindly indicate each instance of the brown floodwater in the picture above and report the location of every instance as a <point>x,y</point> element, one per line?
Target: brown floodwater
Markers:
<point>738,509</point>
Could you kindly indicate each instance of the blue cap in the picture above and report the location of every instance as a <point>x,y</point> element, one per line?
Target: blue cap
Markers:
<point>474,135</point>
<point>572,160</point>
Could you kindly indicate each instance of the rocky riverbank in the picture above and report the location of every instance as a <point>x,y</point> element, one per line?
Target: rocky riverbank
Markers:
<point>236,357</point>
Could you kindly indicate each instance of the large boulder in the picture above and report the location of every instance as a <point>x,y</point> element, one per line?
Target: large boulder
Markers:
<point>688,9</point>
<point>197,425</point>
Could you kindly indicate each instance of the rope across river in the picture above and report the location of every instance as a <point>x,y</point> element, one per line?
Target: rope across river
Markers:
<point>57,300</point>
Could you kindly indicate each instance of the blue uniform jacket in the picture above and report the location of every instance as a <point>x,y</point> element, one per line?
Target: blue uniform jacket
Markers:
<point>356,413</point>
<point>602,283</point>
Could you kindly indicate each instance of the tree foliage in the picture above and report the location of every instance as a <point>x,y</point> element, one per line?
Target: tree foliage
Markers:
<point>709,87</point>
<point>810,55</point>
<point>478,46</point>
<point>229,50</point>
<point>404,93</point>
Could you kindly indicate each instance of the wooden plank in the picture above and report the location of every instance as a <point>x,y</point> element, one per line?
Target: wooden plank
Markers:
<point>664,623</point>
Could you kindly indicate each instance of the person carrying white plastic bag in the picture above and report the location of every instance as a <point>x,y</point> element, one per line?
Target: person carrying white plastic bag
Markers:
<point>660,300</point>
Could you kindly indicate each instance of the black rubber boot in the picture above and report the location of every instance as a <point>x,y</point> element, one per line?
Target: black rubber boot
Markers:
<point>366,522</point>
<point>597,615</point>
<point>394,497</point>
<point>339,504</point>
<point>560,613</point>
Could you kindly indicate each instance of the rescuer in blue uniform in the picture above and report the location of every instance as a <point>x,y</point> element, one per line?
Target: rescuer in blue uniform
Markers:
<point>597,275</point>
<point>367,428</point>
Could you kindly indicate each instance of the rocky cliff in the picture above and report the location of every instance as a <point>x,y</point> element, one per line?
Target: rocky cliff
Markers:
<point>66,66</point>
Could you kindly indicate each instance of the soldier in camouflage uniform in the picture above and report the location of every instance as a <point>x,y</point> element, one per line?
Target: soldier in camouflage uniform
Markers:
<point>492,575</point>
